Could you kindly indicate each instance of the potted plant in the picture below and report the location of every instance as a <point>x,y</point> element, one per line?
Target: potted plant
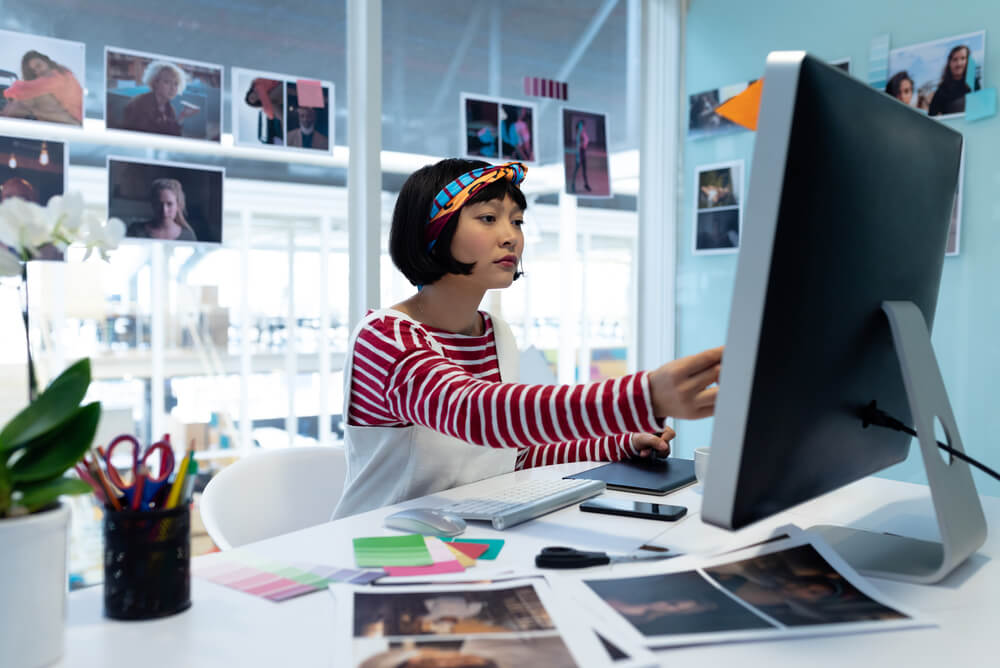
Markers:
<point>43,441</point>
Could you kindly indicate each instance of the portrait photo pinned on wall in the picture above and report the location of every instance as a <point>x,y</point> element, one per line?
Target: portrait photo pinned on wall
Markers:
<point>308,122</point>
<point>718,212</point>
<point>703,121</point>
<point>258,108</point>
<point>935,77</point>
<point>955,226</point>
<point>166,201</point>
<point>41,78</point>
<point>517,131</point>
<point>162,95</point>
<point>480,125</point>
<point>585,153</point>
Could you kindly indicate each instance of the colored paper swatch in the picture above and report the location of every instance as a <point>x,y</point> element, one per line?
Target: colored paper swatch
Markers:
<point>981,104</point>
<point>409,550</point>
<point>495,545</point>
<point>434,569</point>
<point>471,550</point>
<point>310,93</point>
<point>466,561</point>
<point>277,582</point>
<point>744,108</point>
<point>438,550</point>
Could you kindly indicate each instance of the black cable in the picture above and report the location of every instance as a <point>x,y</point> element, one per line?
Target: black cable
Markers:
<point>873,415</point>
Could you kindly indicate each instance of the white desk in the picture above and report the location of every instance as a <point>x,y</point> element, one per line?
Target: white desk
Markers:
<point>230,629</point>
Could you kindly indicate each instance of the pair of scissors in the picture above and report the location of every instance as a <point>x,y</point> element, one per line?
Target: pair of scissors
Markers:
<point>570,557</point>
<point>142,486</point>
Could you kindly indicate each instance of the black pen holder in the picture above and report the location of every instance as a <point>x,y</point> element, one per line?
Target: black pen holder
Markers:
<point>147,563</point>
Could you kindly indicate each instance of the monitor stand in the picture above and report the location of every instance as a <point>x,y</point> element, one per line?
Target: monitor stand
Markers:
<point>959,512</point>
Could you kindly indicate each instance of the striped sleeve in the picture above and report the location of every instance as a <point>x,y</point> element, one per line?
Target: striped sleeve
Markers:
<point>425,387</point>
<point>604,449</point>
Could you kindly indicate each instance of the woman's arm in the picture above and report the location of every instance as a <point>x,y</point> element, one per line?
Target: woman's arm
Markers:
<point>25,90</point>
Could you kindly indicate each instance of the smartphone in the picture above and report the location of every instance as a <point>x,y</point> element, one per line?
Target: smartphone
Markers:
<point>649,511</point>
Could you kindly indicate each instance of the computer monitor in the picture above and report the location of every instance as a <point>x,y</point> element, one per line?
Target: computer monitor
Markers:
<point>843,246</point>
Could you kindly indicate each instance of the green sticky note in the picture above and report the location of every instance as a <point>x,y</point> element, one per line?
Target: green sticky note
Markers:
<point>496,544</point>
<point>408,550</point>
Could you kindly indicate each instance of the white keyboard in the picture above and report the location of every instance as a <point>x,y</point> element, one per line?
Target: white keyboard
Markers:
<point>525,501</point>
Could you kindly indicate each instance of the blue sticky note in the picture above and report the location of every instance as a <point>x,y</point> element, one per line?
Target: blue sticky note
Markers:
<point>981,104</point>
<point>970,73</point>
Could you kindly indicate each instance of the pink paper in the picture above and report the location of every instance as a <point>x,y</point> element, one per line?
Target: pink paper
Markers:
<point>310,93</point>
<point>441,567</point>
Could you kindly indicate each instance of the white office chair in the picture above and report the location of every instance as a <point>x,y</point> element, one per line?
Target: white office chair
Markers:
<point>273,492</point>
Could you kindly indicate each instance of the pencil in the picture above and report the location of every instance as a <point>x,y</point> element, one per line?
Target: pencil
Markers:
<point>109,490</point>
<point>178,486</point>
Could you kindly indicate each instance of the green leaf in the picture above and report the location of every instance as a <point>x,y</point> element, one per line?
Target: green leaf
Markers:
<point>58,402</point>
<point>38,495</point>
<point>53,452</point>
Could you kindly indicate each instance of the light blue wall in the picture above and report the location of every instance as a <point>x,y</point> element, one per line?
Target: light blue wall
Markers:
<point>728,42</point>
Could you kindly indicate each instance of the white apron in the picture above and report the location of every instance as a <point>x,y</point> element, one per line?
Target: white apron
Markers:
<point>386,465</point>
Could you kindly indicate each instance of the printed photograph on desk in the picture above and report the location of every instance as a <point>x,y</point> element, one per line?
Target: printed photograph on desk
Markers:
<point>164,95</point>
<point>41,78</point>
<point>514,623</point>
<point>934,77</point>
<point>517,131</point>
<point>585,153</point>
<point>166,201</point>
<point>718,215</point>
<point>791,587</point>
<point>703,122</point>
<point>308,122</point>
<point>480,123</point>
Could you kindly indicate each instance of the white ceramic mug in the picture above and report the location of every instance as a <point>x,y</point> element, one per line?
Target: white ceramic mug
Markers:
<point>701,463</point>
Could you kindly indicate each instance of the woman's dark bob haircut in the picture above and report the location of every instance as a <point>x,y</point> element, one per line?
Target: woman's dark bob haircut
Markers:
<point>413,207</point>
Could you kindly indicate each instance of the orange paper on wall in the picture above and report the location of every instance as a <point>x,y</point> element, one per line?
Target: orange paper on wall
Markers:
<point>743,109</point>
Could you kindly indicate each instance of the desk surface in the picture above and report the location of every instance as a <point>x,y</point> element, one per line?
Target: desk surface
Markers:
<point>227,628</point>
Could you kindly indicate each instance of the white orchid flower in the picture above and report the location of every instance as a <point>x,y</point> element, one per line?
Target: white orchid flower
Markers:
<point>101,235</point>
<point>66,215</point>
<point>30,222</point>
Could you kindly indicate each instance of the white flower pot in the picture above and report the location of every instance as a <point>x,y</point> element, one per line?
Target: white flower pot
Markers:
<point>33,587</point>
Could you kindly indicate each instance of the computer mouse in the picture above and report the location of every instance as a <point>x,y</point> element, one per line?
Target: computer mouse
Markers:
<point>427,521</point>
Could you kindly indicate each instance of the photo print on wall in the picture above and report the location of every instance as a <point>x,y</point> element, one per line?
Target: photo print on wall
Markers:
<point>166,201</point>
<point>585,153</point>
<point>495,129</point>
<point>935,77</point>
<point>41,78</point>
<point>703,121</point>
<point>163,95</point>
<point>718,214</point>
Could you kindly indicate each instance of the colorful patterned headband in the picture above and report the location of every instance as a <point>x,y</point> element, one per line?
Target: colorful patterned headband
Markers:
<point>454,195</point>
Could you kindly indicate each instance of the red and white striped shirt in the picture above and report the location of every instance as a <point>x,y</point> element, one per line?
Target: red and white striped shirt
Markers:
<point>407,373</point>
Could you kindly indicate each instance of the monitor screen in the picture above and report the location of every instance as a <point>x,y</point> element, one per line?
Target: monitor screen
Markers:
<point>849,204</point>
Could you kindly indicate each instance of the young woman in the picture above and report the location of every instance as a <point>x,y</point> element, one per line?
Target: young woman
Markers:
<point>949,98</point>
<point>48,92</point>
<point>169,214</point>
<point>431,393</point>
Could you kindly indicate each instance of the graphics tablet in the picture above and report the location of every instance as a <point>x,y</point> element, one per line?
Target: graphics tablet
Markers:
<point>649,476</point>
